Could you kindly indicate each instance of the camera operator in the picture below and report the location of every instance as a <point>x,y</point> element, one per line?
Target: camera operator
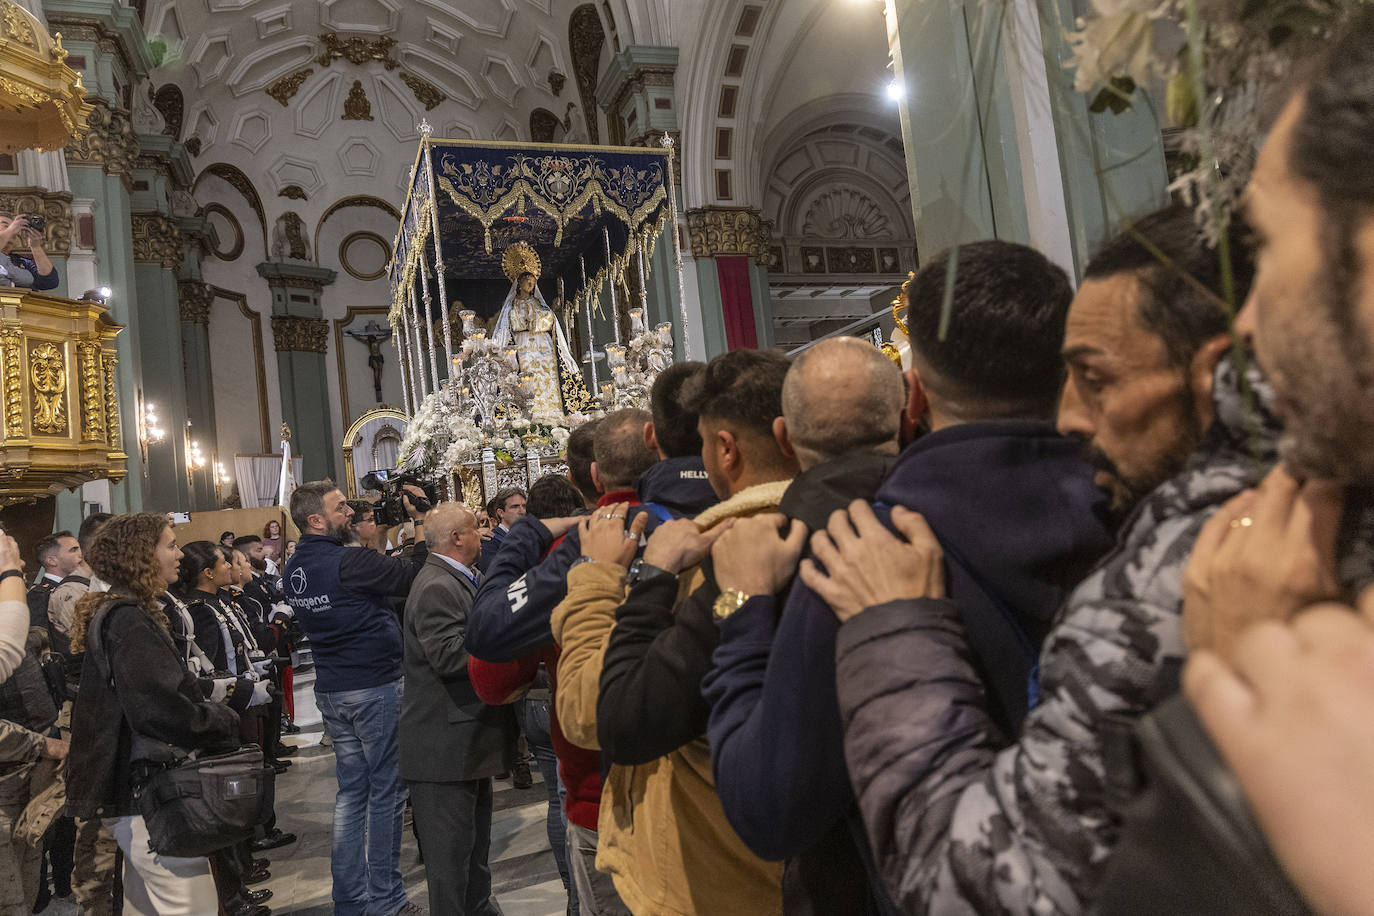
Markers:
<point>339,595</point>
<point>36,273</point>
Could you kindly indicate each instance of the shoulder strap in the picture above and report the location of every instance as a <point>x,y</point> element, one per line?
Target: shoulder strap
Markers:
<point>79,580</point>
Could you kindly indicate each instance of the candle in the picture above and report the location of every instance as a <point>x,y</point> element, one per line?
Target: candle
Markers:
<point>636,322</point>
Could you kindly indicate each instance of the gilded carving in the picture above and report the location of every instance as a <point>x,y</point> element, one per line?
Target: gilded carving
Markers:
<point>171,104</point>
<point>845,213</point>
<point>194,298</point>
<point>110,358</point>
<point>427,94</point>
<point>241,183</point>
<point>586,37</point>
<point>728,231</point>
<point>109,142</point>
<point>356,106</point>
<point>14,26</point>
<point>157,239</point>
<point>11,343</point>
<point>357,51</point>
<point>293,192</point>
<point>284,89</point>
<point>92,394</point>
<point>48,373</point>
<point>291,333</point>
<point>54,206</point>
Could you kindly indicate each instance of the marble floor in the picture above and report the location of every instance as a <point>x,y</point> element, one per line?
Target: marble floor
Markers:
<point>524,874</point>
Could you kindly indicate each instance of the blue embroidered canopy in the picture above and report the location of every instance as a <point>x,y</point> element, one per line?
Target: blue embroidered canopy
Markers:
<point>562,200</point>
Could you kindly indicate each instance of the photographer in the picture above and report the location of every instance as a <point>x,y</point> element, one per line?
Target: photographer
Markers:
<point>339,595</point>
<point>37,273</point>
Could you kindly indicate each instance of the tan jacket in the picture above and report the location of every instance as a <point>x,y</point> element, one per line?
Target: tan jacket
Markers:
<point>663,836</point>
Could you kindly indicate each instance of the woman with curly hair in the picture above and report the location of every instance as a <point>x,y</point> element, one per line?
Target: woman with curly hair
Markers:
<point>148,693</point>
<point>273,542</point>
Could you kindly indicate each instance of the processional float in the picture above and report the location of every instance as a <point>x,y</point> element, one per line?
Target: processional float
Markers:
<point>506,256</point>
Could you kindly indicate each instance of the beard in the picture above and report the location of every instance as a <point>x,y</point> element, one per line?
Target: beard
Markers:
<point>342,531</point>
<point>1128,488</point>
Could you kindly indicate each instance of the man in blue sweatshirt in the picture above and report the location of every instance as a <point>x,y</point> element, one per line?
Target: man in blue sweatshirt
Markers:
<point>339,594</point>
<point>1012,502</point>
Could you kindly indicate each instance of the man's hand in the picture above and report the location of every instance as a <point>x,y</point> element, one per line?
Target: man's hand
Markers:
<point>754,557</point>
<point>679,544</point>
<point>17,227</point>
<point>1264,555</point>
<point>561,526</point>
<point>866,565</point>
<point>407,491</point>
<point>604,537</point>
<point>9,553</point>
<point>56,749</point>
<point>1290,713</point>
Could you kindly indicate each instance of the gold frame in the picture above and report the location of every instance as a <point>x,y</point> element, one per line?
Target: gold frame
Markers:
<point>236,250</point>
<point>350,483</point>
<point>364,234</point>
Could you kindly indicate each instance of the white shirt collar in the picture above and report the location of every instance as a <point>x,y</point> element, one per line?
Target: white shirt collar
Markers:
<point>469,574</point>
<point>48,575</point>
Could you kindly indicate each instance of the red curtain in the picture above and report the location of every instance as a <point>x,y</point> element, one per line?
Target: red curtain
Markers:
<point>737,302</point>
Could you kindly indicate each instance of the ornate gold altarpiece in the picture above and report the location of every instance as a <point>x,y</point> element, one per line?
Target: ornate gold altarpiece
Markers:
<point>42,101</point>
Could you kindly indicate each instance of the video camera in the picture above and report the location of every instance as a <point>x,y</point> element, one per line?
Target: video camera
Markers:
<point>389,510</point>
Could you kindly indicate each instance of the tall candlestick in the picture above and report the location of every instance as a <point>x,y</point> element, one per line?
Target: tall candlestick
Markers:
<point>615,303</point>
<point>587,313</point>
<point>643,283</point>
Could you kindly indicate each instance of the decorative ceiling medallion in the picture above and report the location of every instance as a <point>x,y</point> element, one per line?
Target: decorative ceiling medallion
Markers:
<point>365,255</point>
<point>286,87</point>
<point>356,106</point>
<point>357,51</point>
<point>293,192</point>
<point>427,94</point>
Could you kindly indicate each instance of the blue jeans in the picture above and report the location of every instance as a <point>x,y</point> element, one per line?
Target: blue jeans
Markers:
<point>534,722</point>
<point>369,809</point>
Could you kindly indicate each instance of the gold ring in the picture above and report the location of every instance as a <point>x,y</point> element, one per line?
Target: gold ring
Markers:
<point>1244,521</point>
<point>609,515</point>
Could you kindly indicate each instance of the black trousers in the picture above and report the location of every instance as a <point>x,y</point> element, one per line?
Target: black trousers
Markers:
<point>453,824</point>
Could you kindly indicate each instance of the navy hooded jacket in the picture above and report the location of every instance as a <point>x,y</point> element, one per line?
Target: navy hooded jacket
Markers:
<point>510,615</point>
<point>1015,508</point>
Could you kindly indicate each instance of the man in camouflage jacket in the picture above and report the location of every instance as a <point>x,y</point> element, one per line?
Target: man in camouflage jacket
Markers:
<point>959,821</point>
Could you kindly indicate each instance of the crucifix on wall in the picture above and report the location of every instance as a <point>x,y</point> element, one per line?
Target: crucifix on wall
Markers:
<point>374,335</point>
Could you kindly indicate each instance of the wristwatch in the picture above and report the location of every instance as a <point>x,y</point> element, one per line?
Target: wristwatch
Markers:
<point>11,572</point>
<point>640,571</point>
<point>729,601</point>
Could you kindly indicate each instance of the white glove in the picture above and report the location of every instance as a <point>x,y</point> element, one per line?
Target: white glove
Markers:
<point>221,688</point>
<point>260,695</point>
<point>261,667</point>
<point>281,611</point>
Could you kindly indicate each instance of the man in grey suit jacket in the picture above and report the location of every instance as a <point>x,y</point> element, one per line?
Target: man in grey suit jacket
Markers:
<point>451,743</point>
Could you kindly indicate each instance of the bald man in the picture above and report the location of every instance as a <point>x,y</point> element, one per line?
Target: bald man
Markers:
<point>842,404</point>
<point>451,743</point>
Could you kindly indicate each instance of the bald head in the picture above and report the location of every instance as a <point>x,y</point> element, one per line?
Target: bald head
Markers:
<point>842,396</point>
<point>451,529</point>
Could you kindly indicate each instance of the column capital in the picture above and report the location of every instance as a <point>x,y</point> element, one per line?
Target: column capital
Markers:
<point>716,231</point>
<point>194,298</point>
<point>281,275</point>
<point>295,334</point>
<point>636,92</point>
<point>156,239</point>
<point>109,142</point>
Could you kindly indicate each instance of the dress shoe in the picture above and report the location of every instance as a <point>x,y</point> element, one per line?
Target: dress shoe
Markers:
<point>260,864</point>
<point>273,840</point>
<point>521,777</point>
<point>286,750</point>
<point>261,896</point>
<point>290,728</point>
<point>281,766</point>
<point>244,908</point>
<point>257,876</point>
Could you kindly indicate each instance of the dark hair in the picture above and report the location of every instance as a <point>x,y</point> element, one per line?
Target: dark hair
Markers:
<point>359,506</point>
<point>1000,352</point>
<point>308,500</point>
<point>196,557</point>
<point>50,544</point>
<point>498,502</point>
<point>675,426</point>
<point>581,454</point>
<point>742,388</point>
<point>244,540</point>
<point>1181,296</point>
<point>225,534</point>
<point>1332,139</point>
<point>553,496</point>
<point>621,455</point>
<point>90,526</point>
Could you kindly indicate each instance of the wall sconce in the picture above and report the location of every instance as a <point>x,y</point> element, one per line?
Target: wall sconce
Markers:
<point>150,431</point>
<point>195,458</point>
<point>221,477</point>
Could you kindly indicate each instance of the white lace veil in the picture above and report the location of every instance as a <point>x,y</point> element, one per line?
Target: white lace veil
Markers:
<point>501,336</point>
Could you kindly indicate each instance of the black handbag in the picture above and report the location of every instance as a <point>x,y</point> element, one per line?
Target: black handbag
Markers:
<point>193,803</point>
<point>1189,842</point>
<point>198,804</point>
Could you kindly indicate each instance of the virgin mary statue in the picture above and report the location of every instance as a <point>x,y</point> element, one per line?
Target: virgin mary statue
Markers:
<point>528,324</point>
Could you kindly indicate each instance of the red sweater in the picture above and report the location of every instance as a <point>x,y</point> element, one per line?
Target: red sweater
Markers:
<point>497,683</point>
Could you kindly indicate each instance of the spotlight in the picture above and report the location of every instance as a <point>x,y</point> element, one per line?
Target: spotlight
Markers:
<point>895,90</point>
<point>101,294</point>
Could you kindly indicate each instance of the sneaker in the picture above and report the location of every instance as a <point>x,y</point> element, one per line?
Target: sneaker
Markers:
<point>521,778</point>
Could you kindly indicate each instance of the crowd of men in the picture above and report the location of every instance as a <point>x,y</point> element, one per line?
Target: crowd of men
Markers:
<point>1067,614</point>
